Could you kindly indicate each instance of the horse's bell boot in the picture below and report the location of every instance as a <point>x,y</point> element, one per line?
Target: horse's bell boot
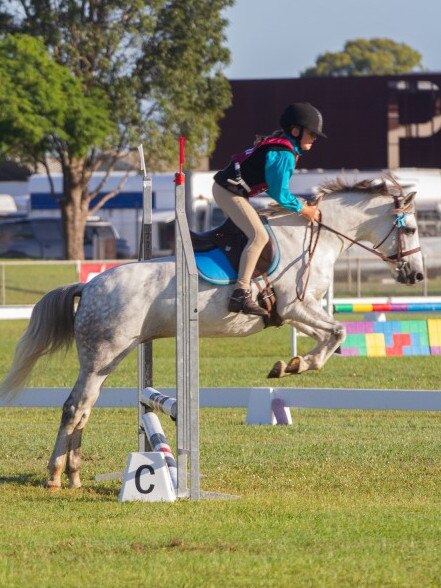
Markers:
<point>241,301</point>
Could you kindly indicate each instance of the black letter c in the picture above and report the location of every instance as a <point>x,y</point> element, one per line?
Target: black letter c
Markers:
<point>138,479</point>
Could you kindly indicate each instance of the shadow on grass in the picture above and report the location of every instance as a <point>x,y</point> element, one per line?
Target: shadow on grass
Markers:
<point>26,290</point>
<point>91,491</point>
<point>109,491</point>
<point>23,480</point>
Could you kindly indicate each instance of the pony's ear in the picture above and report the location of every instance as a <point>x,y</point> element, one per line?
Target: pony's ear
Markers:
<point>405,203</point>
<point>408,200</point>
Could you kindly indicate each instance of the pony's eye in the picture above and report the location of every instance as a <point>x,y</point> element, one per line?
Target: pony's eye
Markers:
<point>409,231</point>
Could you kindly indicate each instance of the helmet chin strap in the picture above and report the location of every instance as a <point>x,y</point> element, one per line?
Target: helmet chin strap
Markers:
<point>298,140</point>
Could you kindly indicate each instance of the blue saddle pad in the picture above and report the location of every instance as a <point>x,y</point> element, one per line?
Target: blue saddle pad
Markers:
<point>215,267</point>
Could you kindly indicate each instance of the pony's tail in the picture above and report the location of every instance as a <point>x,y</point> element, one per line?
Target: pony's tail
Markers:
<point>50,328</point>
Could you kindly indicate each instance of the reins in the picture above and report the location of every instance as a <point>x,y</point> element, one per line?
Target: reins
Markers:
<point>366,247</point>
<point>307,269</point>
<point>397,257</point>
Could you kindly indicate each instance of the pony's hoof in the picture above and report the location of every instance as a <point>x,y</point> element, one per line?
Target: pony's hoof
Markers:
<point>293,366</point>
<point>278,370</point>
<point>75,485</point>
<point>52,487</point>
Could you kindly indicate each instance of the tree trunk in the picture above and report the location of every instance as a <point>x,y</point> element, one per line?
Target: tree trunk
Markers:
<point>75,207</point>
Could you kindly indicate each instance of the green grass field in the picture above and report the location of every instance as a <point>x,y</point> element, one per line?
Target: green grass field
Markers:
<point>25,284</point>
<point>339,499</point>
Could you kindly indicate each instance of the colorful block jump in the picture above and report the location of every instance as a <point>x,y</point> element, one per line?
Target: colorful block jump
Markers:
<point>389,307</point>
<point>392,338</point>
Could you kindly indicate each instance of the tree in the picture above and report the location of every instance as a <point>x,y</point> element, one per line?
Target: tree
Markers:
<point>147,71</point>
<point>363,57</point>
<point>43,110</point>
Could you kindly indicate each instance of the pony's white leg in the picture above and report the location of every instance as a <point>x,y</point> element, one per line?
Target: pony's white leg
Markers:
<point>329,334</point>
<point>280,368</point>
<point>73,461</point>
<point>101,347</point>
<point>99,356</point>
<point>76,411</point>
<point>315,359</point>
<point>317,324</point>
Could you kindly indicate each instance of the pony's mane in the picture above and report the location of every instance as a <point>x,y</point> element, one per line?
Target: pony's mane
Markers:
<point>387,185</point>
<point>384,186</point>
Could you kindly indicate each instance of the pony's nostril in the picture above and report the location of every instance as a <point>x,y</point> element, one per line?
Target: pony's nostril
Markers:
<point>419,277</point>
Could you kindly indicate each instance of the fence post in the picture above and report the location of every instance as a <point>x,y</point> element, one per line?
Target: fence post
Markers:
<point>145,350</point>
<point>187,346</point>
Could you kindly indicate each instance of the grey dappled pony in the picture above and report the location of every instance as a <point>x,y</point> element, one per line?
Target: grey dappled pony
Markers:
<point>134,303</point>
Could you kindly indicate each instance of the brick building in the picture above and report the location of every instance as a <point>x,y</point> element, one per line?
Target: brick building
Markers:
<point>372,122</point>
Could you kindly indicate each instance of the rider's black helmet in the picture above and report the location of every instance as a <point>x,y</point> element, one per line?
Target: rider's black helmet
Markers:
<point>304,115</point>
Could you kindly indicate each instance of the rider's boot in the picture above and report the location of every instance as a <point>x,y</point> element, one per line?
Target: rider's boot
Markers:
<point>241,301</point>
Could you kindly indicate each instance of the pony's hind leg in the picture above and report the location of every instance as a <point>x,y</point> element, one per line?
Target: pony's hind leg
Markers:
<point>76,411</point>
<point>73,457</point>
<point>73,461</point>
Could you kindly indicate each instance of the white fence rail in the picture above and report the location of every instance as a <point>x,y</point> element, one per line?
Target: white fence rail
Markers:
<point>257,401</point>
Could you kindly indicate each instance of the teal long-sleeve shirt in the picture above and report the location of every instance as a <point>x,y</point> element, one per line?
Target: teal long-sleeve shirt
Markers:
<point>279,167</point>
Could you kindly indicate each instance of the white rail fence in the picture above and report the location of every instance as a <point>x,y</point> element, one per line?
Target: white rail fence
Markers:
<point>263,404</point>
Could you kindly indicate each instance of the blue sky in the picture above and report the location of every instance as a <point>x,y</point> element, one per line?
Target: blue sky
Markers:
<point>280,38</point>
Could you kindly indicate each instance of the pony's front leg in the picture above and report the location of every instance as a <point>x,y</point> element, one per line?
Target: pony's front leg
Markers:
<point>319,355</point>
<point>328,334</point>
<point>299,364</point>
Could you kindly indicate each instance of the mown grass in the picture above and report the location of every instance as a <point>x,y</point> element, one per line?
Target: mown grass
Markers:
<point>239,362</point>
<point>338,499</point>
<point>341,498</point>
<point>26,284</point>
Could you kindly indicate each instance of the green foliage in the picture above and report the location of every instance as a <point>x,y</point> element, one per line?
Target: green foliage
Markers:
<point>136,71</point>
<point>183,74</point>
<point>42,106</point>
<point>157,64</point>
<point>361,57</point>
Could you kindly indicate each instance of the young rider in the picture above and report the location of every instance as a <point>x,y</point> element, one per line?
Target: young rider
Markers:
<point>268,166</point>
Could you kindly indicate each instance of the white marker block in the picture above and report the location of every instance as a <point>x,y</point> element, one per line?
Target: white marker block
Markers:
<point>260,411</point>
<point>147,478</point>
<point>281,412</point>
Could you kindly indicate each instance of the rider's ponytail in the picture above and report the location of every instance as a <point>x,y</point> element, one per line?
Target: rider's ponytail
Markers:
<point>260,138</point>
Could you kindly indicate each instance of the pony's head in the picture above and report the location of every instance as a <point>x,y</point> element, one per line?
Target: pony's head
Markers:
<point>389,226</point>
<point>408,260</point>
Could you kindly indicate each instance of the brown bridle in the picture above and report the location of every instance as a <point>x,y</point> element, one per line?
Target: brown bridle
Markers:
<point>397,257</point>
<point>395,226</point>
